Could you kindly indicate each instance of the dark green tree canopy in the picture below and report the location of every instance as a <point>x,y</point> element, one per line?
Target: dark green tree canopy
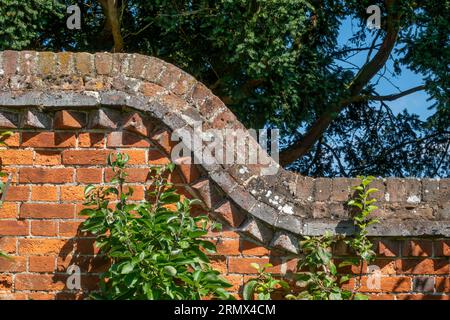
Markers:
<point>278,63</point>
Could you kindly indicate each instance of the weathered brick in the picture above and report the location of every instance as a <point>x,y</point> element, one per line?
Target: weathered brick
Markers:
<point>151,89</point>
<point>84,63</point>
<point>430,190</point>
<point>442,284</point>
<point>69,120</point>
<point>46,63</point>
<point>417,248</point>
<point>18,193</point>
<point>104,119</point>
<point>155,157</point>
<point>421,297</point>
<point>208,192</point>
<point>199,93</point>
<point>15,264</point>
<point>64,61</point>
<point>442,248</point>
<point>91,140</point>
<point>44,246</point>
<point>423,284</point>
<point>9,120</point>
<point>231,214</point>
<point>137,65</point>
<point>13,228</point>
<point>153,69</point>
<point>163,139</point>
<point>388,284</point>
<point>85,157</point>
<point>89,175</point>
<point>36,119</point>
<point>395,190</point>
<point>44,193</point>
<point>228,247</point>
<point>305,188</point>
<point>184,84</point>
<point>8,245</point>
<point>8,210</point>
<point>134,175</point>
<point>340,189</point>
<point>137,124</point>
<point>136,156</point>
<point>44,175</point>
<point>44,228</point>
<point>249,248</point>
<point>69,228</point>
<point>27,62</point>
<point>13,140</point>
<point>423,266</point>
<point>10,62</point>
<point>190,172</point>
<point>387,248</point>
<point>103,63</point>
<point>126,139</point>
<point>45,282</point>
<point>72,193</point>
<point>5,282</point>
<point>41,264</point>
<point>322,189</point>
<point>45,210</point>
<point>16,157</point>
<point>47,157</point>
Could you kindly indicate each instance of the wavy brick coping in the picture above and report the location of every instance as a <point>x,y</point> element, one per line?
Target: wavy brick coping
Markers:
<point>268,227</point>
<point>286,203</point>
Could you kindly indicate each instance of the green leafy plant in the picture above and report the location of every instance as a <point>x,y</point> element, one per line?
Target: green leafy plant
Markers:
<point>3,186</point>
<point>155,247</point>
<point>263,285</point>
<point>364,205</point>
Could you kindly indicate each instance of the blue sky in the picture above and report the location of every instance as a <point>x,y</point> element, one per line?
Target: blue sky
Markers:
<point>415,103</point>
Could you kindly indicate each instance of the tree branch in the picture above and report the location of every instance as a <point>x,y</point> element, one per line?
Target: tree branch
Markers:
<point>390,97</point>
<point>367,72</point>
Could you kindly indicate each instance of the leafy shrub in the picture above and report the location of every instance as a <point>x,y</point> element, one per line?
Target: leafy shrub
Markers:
<point>321,281</point>
<point>155,246</point>
<point>263,285</point>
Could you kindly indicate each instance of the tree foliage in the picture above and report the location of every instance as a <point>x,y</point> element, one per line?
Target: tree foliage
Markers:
<point>279,63</point>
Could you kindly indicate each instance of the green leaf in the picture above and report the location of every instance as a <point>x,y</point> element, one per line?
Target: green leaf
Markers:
<point>171,271</point>
<point>360,296</point>
<point>255,266</point>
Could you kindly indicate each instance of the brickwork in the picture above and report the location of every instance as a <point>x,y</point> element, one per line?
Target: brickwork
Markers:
<point>69,111</point>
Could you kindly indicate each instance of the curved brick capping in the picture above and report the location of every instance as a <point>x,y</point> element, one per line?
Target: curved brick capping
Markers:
<point>69,111</point>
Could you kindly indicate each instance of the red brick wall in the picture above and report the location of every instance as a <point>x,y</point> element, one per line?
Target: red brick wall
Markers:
<point>69,111</point>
